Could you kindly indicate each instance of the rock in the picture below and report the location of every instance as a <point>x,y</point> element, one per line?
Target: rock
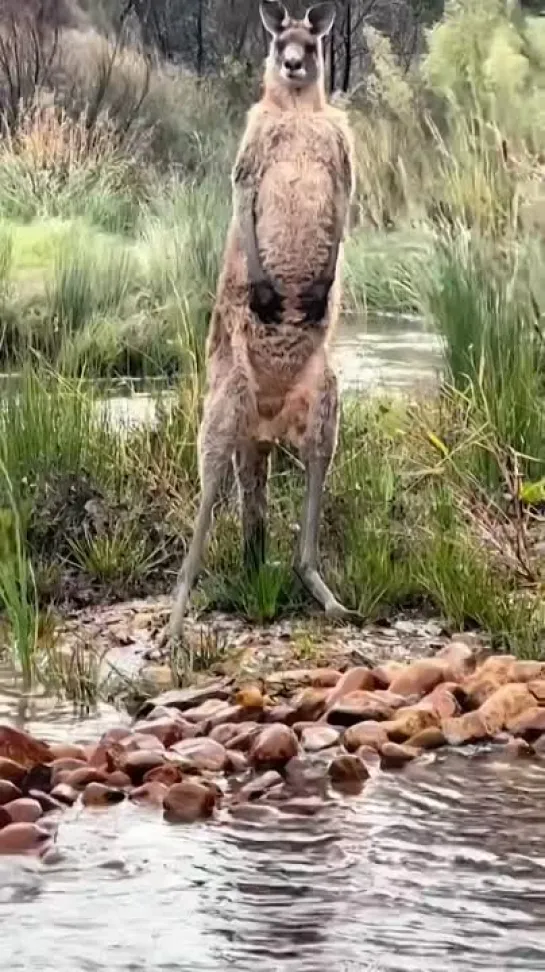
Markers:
<point>5,818</point>
<point>443,701</point>
<point>66,751</point>
<point>203,754</point>
<point>145,741</point>
<point>357,707</point>
<point>310,704</point>
<point>153,793</point>
<point>409,721</point>
<point>354,680</point>
<point>253,812</point>
<point>259,785</point>
<point>118,780</point>
<point>224,733</point>
<point>508,702</point>
<point>169,731</point>
<point>11,771</point>
<point>99,795</point>
<point>468,728</point>
<point>370,759</point>
<point>245,738</point>
<point>38,778</point>
<point>315,738</point>
<point>539,746</point>
<point>304,677</point>
<point>249,697</point>
<point>188,801</point>
<point>284,713</point>
<point>46,801</point>
<point>459,657</point>
<point>530,725</point>
<point>78,779</point>
<point>395,756</point>
<point>65,765</point>
<point>420,677</point>
<point>537,688</point>
<point>237,762</point>
<point>371,734</point>
<point>518,747</point>
<point>392,701</point>
<point>302,806</point>
<point>21,838</point>
<point>274,747</point>
<point>24,810</point>
<point>305,778</point>
<point>488,678</point>
<point>139,763</point>
<point>168,773</point>
<point>348,773</point>
<point>22,748</point>
<point>8,792</point>
<point>65,794</point>
<point>189,698</point>
<point>212,712</point>
<point>527,671</point>
<point>384,674</point>
<point>431,738</point>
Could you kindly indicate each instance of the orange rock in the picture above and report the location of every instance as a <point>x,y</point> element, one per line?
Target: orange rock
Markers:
<point>354,680</point>
<point>409,721</point>
<point>99,795</point>
<point>384,674</point>
<point>11,771</point>
<point>21,838</point>
<point>395,756</point>
<point>140,762</point>
<point>528,671</point>
<point>356,707</point>
<point>371,734</point>
<point>348,773</point>
<point>464,729</point>
<point>22,748</point>
<point>310,704</point>
<point>432,738</point>
<point>202,753</point>
<point>459,657</point>
<point>274,747</point>
<point>316,738</point>
<point>8,792</point>
<point>508,702</point>
<point>489,677</point>
<point>537,688</point>
<point>530,724</point>
<point>249,697</point>
<point>24,810</point>
<point>65,794</point>
<point>420,677</point>
<point>79,778</point>
<point>442,701</point>
<point>188,801</point>
<point>153,793</point>
<point>66,751</point>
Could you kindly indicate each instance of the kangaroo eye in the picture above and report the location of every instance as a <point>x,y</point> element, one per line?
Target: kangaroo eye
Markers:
<point>310,48</point>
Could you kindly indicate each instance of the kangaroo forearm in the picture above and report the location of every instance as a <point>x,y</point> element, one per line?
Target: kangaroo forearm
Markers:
<point>248,237</point>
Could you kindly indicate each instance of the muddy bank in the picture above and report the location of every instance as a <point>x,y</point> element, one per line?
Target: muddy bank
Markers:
<point>289,744</point>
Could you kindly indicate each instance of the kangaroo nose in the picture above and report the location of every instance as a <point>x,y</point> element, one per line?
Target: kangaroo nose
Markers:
<point>293,64</point>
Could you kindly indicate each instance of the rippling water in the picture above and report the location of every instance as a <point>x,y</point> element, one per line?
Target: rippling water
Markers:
<point>439,868</point>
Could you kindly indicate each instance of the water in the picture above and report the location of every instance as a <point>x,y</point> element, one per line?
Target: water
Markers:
<point>441,867</point>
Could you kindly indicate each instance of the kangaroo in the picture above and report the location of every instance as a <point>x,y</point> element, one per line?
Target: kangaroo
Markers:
<point>268,373</point>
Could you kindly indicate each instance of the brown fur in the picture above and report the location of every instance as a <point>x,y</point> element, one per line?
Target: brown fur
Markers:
<point>293,177</point>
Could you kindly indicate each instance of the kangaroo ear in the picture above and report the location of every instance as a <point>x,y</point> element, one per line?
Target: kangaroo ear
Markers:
<point>320,18</point>
<point>274,16</point>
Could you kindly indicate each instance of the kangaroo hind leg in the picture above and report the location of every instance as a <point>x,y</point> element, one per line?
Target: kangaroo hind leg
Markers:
<point>252,472</point>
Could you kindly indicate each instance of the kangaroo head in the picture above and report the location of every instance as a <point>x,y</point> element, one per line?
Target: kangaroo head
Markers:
<point>296,56</point>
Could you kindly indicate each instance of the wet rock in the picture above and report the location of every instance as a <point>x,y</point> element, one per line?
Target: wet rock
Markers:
<point>460,658</point>
<point>284,713</point>
<point>304,677</point>
<point>245,738</point>
<point>307,806</point>
<point>60,767</point>
<point>530,725</point>
<point>537,688</point>
<point>65,794</point>
<point>305,778</point>
<point>505,705</point>
<point>212,709</point>
<point>461,730</point>
<point>153,794</point>
<point>409,721</point>
<point>371,734</point>
<point>443,701</point>
<point>274,747</point>
<point>310,704</point>
<point>79,778</point>
<point>189,698</point>
<point>259,785</point>
<point>5,818</point>
<point>348,773</point>
<point>370,759</point>
<point>237,762</point>
<point>188,801</point>
<point>67,751</point>
<point>145,741</point>
<point>40,777</point>
<point>8,792</point>
<point>22,748</point>
<point>385,674</point>
<point>24,810</point>
<point>203,753</point>
<point>539,746</point>
<point>168,773</point>
<point>431,738</point>
<point>119,780</point>
<point>316,738</point>
<point>11,771</point>
<point>169,731</point>
<point>354,680</point>
<point>518,747</point>
<point>252,812</point>
<point>100,795</point>
<point>22,838</point>
<point>46,801</point>
<point>139,763</point>
<point>420,677</point>
<point>395,756</point>
<point>357,707</point>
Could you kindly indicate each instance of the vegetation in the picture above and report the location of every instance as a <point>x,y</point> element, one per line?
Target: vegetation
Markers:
<point>114,202</point>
